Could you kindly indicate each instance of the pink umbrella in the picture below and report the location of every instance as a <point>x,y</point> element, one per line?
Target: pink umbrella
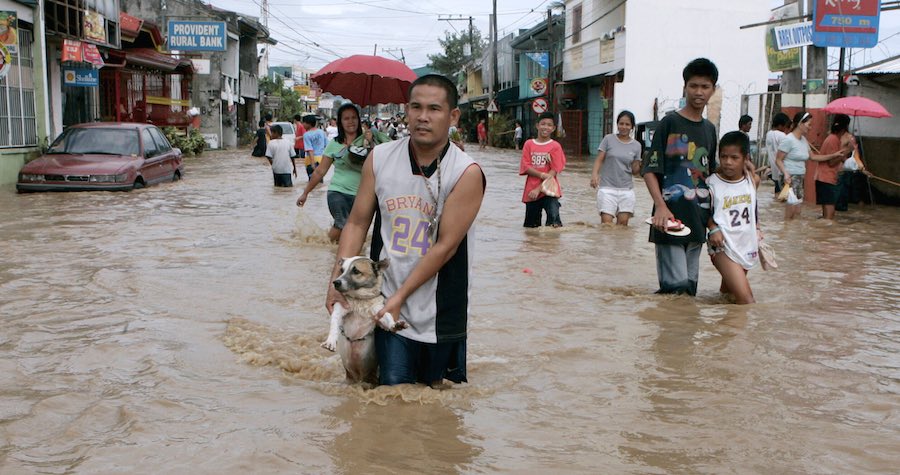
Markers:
<point>367,80</point>
<point>857,106</point>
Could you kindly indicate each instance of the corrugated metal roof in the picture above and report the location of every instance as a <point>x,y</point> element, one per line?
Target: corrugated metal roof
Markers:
<point>890,65</point>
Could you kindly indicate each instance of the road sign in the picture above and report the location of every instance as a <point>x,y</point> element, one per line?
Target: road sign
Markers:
<point>492,107</point>
<point>539,105</point>
<point>793,36</point>
<point>846,23</point>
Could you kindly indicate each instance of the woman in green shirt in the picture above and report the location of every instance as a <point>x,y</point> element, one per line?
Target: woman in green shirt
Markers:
<point>347,170</point>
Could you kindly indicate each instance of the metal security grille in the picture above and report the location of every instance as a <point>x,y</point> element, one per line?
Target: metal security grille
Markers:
<point>17,108</point>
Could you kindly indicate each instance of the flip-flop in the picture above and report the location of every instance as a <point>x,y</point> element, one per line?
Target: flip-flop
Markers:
<point>680,232</point>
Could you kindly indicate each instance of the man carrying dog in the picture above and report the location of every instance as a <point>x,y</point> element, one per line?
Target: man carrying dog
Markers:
<point>424,194</point>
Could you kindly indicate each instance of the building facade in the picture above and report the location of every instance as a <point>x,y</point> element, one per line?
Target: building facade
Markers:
<point>629,55</point>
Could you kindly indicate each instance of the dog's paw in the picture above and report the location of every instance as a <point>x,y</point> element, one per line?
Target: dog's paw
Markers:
<point>400,325</point>
<point>329,345</point>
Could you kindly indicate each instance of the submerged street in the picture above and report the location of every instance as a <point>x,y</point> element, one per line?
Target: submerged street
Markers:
<point>176,329</point>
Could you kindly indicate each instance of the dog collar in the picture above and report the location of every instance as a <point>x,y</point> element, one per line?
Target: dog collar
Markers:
<point>351,340</point>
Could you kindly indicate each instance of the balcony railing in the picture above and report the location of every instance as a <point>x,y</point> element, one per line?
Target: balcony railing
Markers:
<point>249,85</point>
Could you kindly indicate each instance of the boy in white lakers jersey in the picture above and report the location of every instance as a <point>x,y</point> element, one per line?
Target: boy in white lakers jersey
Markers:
<point>732,239</point>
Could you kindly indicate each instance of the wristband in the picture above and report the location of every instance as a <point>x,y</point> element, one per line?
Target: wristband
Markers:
<point>712,231</point>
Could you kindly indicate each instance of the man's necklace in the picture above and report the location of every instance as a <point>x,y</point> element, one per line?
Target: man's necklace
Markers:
<point>433,218</point>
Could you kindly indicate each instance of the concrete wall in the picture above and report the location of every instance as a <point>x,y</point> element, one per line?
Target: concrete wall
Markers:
<point>582,60</point>
<point>884,90</point>
<point>664,35</point>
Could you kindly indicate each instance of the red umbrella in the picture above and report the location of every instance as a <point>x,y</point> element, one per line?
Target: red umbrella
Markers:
<point>367,80</point>
<point>857,106</point>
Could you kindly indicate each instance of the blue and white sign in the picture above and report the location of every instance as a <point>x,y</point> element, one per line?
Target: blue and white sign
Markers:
<point>541,58</point>
<point>197,35</point>
<point>81,77</point>
<point>846,23</point>
<point>794,36</point>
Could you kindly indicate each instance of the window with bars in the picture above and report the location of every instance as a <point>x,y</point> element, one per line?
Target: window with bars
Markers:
<point>66,18</point>
<point>18,124</point>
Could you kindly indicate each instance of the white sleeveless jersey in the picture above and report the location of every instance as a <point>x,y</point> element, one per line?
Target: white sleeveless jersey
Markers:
<point>438,310</point>
<point>734,211</point>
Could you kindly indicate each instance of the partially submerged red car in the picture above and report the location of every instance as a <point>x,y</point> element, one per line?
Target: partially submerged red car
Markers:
<point>103,156</point>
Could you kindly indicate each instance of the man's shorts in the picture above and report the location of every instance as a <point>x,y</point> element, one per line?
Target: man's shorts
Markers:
<point>339,204</point>
<point>797,185</point>
<point>826,193</point>
<point>405,361</point>
<point>283,180</point>
<point>613,201</point>
<point>309,158</point>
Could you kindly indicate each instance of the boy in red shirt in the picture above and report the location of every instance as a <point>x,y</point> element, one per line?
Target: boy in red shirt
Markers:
<point>542,159</point>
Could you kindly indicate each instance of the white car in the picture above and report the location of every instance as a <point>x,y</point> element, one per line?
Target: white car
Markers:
<point>287,131</point>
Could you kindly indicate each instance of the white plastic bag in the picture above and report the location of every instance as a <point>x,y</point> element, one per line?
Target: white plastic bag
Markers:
<point>851,164</point>
<point>792,198</point>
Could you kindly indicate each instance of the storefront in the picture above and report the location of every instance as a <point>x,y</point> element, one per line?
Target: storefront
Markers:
<point>22,98</point>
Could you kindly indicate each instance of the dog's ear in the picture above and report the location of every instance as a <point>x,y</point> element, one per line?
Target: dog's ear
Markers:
<point>382,264</point>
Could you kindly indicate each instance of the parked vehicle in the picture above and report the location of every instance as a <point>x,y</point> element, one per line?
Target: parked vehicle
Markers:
<point>103,156</point>
<point>287,131</point>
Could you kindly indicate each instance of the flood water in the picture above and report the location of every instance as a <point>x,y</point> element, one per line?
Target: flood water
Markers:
<point>176,329</point>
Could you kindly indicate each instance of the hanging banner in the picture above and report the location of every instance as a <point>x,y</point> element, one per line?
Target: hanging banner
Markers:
<point>541,58</point>
<point>5,60</point>
<point>9,33</point>
<point>92,55</point>
<point>71,51</point>
<point>94,27</point>
<point>197,35</point>
<point>846,23</point>
<point>81,77</point>
<point>789,58</point>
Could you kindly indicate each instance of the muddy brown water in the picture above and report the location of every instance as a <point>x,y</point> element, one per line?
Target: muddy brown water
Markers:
<point>175,329</point>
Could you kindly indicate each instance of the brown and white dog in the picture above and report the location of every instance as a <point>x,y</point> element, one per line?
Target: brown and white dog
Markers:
<point>352,329</point>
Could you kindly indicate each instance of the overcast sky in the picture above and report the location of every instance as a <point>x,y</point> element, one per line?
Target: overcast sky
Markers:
<point>346,27</point>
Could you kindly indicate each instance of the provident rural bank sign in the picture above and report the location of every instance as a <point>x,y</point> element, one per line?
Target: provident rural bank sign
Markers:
<point>197,35</point>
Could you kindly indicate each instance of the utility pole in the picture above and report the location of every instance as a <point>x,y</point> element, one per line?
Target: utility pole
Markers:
<point>496,82</point>
<point>449,18</point>
<point>391,52</point>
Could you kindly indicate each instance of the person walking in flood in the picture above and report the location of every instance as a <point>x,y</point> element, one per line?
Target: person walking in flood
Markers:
<point>542,160</point>
<point>314,141</point>
<point>781,125</point>
<point>427,194</point>
<point>682,155</point>
<point>280,153</point>
<point>793,152</point>
<point>259,150</point>
<point>827,189</point>
<point>481,130</point>
<point>347,170</point>
<point>732,236</point>
<point>618,159</point>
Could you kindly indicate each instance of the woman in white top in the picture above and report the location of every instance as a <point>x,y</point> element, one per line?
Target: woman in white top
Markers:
<point>793,152</point>
<point>618,158</point>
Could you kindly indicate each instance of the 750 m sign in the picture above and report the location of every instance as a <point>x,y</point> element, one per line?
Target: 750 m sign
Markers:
<point>846,23</point>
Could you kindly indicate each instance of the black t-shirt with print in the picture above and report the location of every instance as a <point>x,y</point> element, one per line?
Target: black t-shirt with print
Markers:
<point>682,155</point>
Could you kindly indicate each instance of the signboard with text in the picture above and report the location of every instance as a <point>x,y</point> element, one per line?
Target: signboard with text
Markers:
<point>793,36</point>
<point>846,23</point>
<point>197,35</point>
<point>83,77</point>
<point>781,60</point>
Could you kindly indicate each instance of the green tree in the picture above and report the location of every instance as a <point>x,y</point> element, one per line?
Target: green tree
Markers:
<point>290,99</point>
<point>454,57</point>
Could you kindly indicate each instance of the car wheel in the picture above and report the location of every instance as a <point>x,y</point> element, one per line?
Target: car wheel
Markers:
<point>176,176</point>
<point>138,184</point>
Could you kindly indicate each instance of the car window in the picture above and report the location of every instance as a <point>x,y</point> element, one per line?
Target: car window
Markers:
<point>150,149</point>
<point>97,140</point>
<point>162,144</point>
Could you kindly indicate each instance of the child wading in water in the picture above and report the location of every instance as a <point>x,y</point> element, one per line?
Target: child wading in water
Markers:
<point>542,158</point>
<point>733,240</point>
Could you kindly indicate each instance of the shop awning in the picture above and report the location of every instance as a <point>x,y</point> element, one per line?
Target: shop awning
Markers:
<point>150,58</point>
